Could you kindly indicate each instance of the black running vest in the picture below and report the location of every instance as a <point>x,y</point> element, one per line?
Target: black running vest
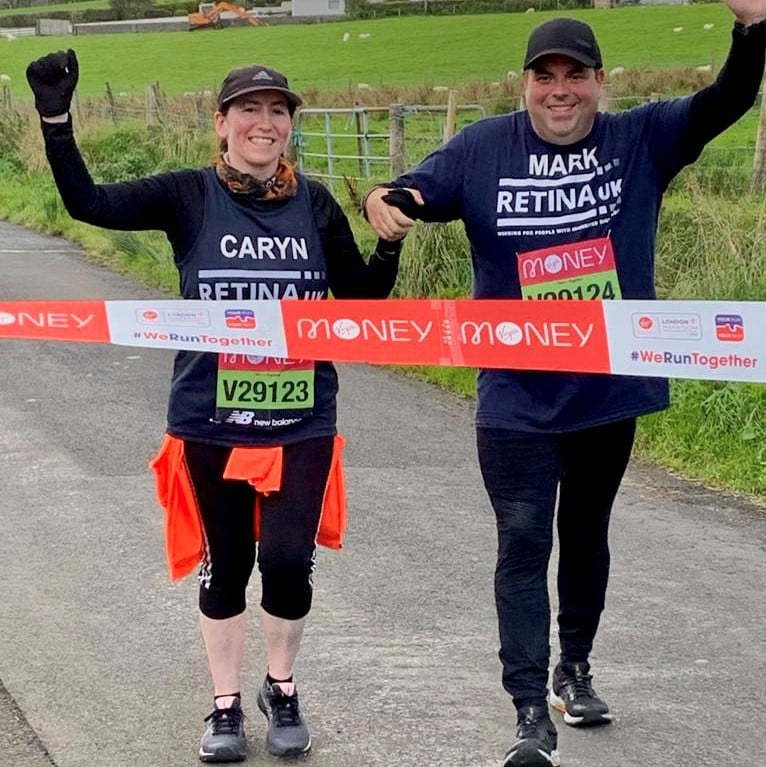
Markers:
<point>243,254</point>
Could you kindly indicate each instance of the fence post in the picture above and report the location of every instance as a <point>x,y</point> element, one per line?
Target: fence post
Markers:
<point>759,159</point>
<point>330,150</point>
<point>161,101</point>
<point>199,108</point>
<point>449,124</point>
<point>152,107</point>
<point>361,143</point>
<point>604,101</point>
<point>77,113</point>
<point>293,152</point>
<point>396,139</point>
<point>110,102</point>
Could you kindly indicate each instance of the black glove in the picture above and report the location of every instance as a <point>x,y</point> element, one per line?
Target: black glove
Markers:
<point>53,79</point>
<point>402,199</point>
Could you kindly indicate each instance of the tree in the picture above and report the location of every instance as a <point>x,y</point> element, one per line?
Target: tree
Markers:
<point>358,9</point>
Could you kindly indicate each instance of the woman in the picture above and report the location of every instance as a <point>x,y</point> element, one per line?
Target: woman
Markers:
<point>231,470</point>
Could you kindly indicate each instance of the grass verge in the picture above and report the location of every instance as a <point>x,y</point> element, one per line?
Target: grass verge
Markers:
<point>709,246</point>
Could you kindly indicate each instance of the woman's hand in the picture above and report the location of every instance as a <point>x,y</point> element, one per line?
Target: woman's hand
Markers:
<point>53,79</point>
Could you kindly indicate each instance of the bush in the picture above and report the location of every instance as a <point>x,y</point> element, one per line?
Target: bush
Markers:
<point>13,128</point>
<point>362,9</point>
<point>121,154</point>
<point>176,7</point>
<point>94,14</point>
<point>30,19</point>
<point>710,248</point>
<point>130,9</point>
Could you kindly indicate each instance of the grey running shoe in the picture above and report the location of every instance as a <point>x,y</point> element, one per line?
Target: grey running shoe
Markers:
<point>536,740</point>
<point>224,738</point>
<point>288,734</point>
<point>572,694</point>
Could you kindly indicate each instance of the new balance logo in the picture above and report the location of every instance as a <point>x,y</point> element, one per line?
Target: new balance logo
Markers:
<point>240,417</point>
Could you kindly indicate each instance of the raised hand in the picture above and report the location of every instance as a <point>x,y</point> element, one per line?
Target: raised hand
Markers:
<point>53,79</point>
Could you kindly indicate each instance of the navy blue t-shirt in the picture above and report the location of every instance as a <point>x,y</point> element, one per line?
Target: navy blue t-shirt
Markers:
<point>516,194</point>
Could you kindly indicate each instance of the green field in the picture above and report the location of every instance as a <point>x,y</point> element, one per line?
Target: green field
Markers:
<point>408,51</point>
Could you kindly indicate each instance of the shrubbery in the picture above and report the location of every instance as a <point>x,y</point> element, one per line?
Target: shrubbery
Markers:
<point>362,9</point>
<point>710,245</point>
<point>355,9</point>
<point>176,7</point>
<point>130,9</point>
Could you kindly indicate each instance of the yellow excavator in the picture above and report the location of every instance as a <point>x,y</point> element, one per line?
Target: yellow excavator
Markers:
<point>211,19</point>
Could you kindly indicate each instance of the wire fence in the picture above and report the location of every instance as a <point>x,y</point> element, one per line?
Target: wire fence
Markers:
<point>360,143</point>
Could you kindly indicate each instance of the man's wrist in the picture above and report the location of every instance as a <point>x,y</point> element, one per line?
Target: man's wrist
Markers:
<point>369,192</point>
<point>744,26</point>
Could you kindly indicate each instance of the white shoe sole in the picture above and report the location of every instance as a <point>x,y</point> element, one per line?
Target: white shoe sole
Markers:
<point>577,721</point>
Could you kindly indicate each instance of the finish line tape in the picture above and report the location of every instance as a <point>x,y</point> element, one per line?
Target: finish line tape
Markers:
<point>713,340</point>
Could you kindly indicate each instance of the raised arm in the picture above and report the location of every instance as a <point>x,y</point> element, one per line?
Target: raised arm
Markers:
<point>155,202</point>
<point>714,108</point>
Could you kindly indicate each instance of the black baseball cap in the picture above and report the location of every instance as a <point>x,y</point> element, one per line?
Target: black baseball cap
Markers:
<point>566,37</point>
<point>256,78</point>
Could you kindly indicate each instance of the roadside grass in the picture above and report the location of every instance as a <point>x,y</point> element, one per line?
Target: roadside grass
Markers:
<point>712,246</point>
<point>713,432</point>
<point>708,246</point>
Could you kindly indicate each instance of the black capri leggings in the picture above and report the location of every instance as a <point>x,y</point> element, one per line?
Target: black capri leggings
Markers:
<point>288,528</point>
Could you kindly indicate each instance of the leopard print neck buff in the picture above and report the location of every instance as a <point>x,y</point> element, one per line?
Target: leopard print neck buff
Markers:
<point>280,186</point>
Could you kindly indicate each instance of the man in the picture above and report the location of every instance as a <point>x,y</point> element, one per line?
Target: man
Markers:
<point>544,186</point>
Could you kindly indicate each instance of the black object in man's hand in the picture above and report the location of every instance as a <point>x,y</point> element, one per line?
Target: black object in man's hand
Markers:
<point>53,79</point>
<point>404,200</point>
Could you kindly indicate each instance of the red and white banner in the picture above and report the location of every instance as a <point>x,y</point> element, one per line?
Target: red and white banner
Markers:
<point>716,340</point>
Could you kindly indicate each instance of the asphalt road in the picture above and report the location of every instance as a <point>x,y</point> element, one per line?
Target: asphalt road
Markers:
<point>101,662</point>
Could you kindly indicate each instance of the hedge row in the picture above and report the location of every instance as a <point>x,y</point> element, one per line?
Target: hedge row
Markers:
<point>362,9</point>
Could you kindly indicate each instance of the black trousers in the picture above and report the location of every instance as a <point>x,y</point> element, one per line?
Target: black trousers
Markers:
<point>288,528</point>
<point>523,474</point>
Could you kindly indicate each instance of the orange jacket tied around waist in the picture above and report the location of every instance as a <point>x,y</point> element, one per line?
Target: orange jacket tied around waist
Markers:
<point>262,468</point>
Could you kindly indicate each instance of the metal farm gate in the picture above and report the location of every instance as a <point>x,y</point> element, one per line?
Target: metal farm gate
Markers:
<point>372,143</point>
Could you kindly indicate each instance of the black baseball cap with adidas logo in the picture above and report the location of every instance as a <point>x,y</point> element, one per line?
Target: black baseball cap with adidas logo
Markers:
<point>256,78</point>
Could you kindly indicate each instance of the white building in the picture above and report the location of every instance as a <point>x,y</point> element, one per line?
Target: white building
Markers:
<point>319,7</point>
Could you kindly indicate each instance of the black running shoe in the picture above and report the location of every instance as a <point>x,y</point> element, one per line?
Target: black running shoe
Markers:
<point>224,738</point>
<point>572,694</point>
<point>536,740</point>
<point>288,734</point>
